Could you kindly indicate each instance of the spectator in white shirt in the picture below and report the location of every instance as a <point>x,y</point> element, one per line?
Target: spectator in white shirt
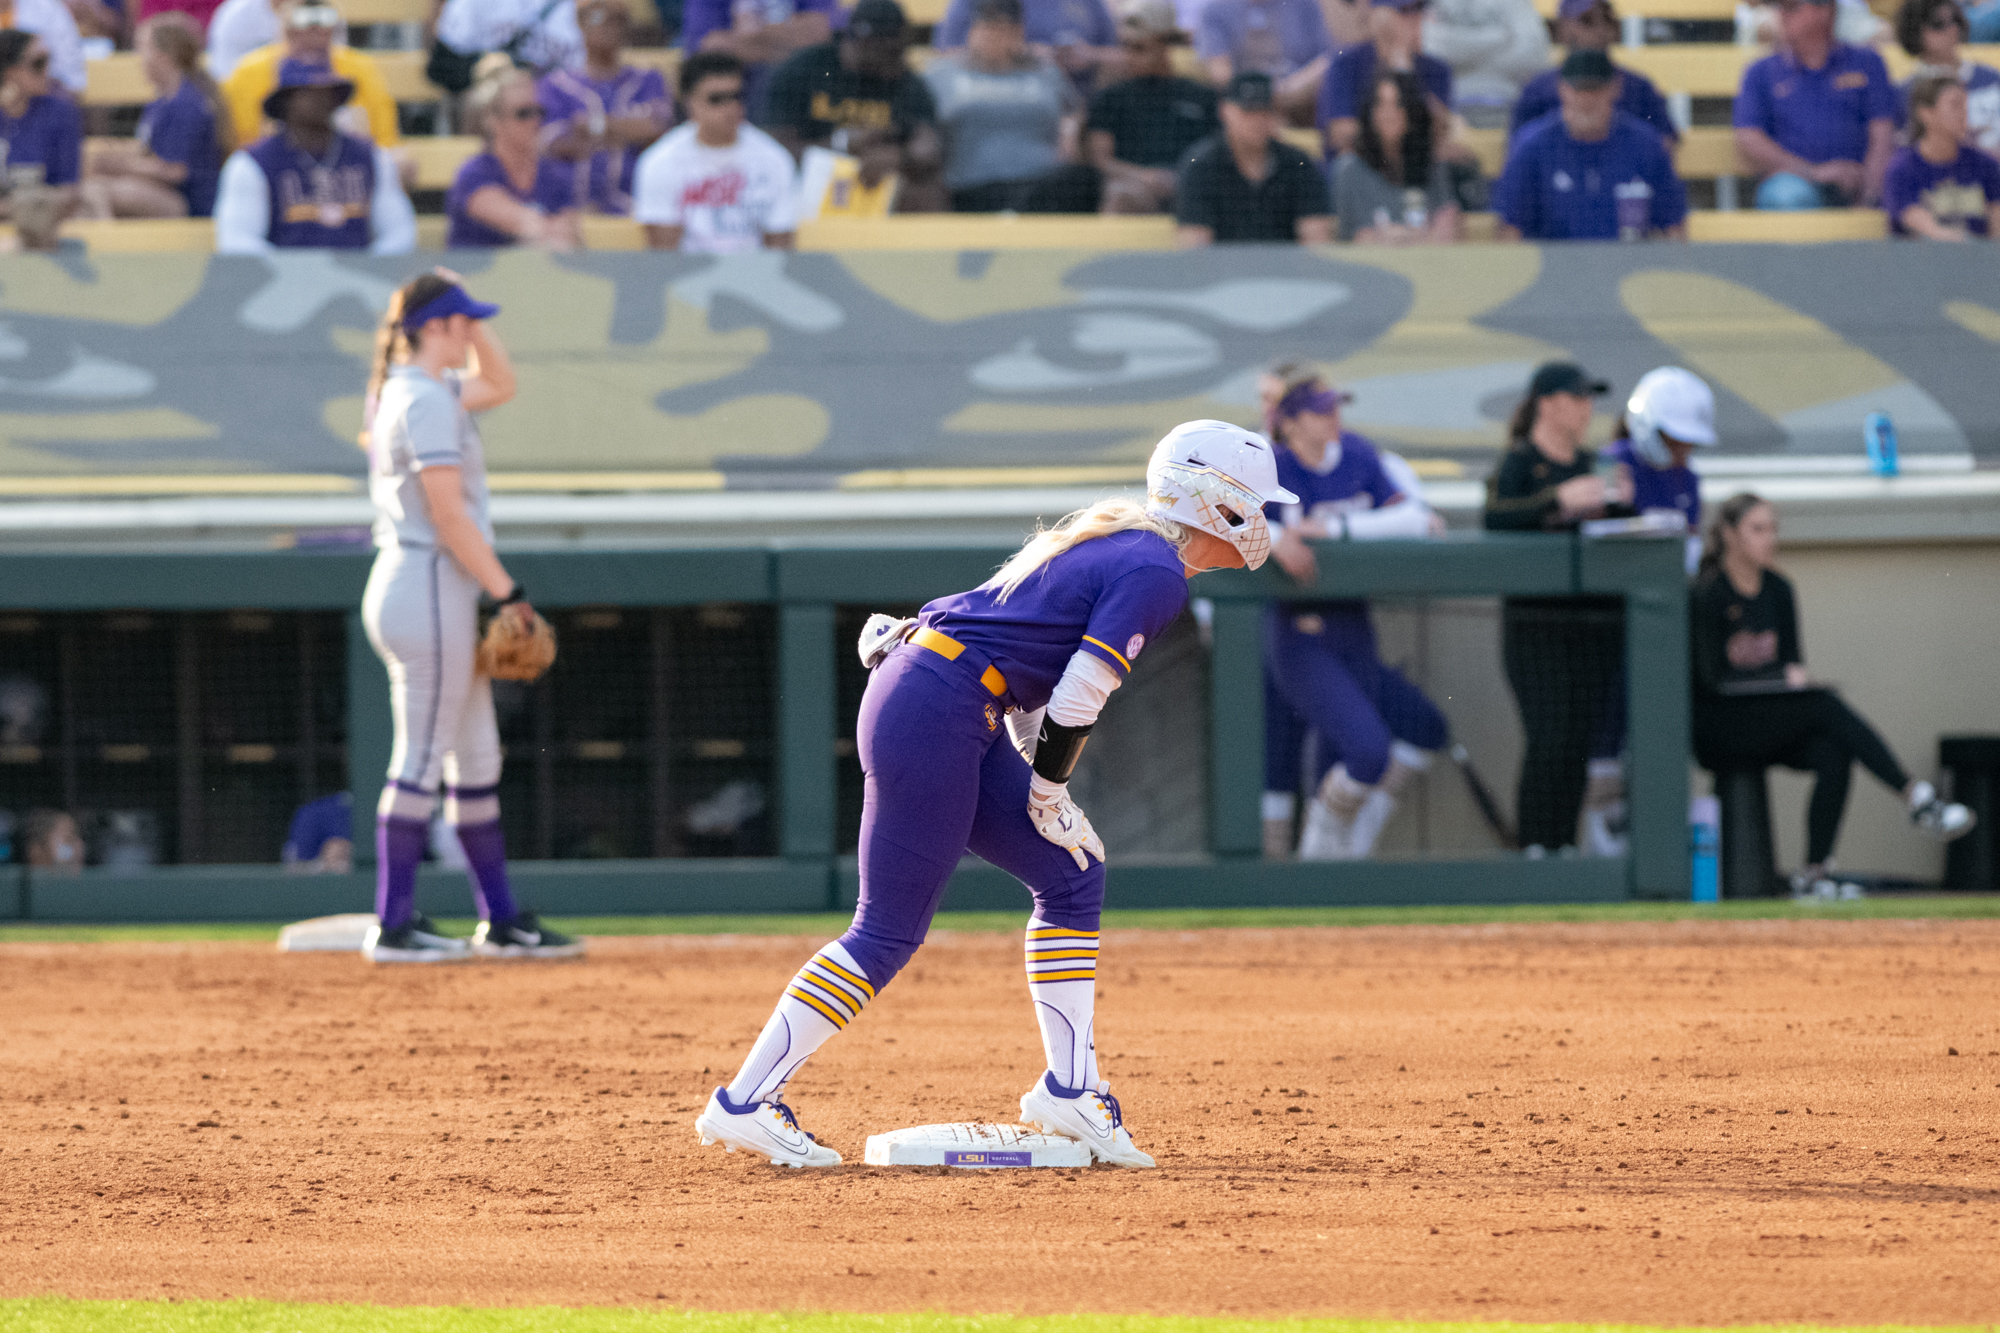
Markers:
<point>51,21</point>
<point>715,185</point>
<point>237,28</point>
<point>547,32</point>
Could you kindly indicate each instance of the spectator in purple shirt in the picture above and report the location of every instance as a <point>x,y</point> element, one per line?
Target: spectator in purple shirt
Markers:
<point>511,194</point>
<point>760,33</point>
<point>1939,186</point>
<point>170,169</point>
<point>1592,25</point>
<point>41,130</point>
<point>1590,172</point>
<point>1817,120</point>
<point>1397,28</point>
<point>600,118</point>
<point>1285,39</point>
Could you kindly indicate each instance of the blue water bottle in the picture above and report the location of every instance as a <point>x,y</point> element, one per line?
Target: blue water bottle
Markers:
<point>1879,433</point>
<point>1705,833</point>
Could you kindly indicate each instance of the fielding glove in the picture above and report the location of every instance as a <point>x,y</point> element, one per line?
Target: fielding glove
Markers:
<point>1057,819</point>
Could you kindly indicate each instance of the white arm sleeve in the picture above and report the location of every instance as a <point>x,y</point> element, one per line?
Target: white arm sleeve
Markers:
<point>1079,696</point>
<point>1406,518</point>
<point>242,208</point>
<point>391,216</point>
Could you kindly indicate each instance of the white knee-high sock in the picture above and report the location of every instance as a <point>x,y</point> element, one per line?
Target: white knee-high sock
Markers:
<point>825,996</point>
<point>1062,978</point>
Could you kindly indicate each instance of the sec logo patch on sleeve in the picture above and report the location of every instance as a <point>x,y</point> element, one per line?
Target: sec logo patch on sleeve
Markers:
<point>1133,645</point>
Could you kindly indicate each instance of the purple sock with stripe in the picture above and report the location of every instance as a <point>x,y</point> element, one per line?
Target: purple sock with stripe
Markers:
<point>399,850</point>
<point>486,858</point>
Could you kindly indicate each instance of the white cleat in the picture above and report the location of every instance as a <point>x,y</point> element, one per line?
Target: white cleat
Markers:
<point>768,1129</point>
<point>1091,1117</point>
<point>1942,819</point>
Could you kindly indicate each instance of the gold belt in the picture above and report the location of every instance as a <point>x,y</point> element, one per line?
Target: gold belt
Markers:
<point>949,649</point>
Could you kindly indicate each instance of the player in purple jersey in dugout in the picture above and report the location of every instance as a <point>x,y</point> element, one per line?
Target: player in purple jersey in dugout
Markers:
<point>1321,664</point>
<point>1031,655</point>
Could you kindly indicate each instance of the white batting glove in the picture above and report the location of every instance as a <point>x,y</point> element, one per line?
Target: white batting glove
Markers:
<point>1057,819</point>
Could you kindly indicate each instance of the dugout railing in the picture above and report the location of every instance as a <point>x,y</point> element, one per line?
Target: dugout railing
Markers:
<point>800,594</point>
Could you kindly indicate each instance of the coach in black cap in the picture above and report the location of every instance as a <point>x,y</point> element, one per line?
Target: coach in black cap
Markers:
<point>855,94</point>
<point>1563,654</point>
<point>1247,184</point>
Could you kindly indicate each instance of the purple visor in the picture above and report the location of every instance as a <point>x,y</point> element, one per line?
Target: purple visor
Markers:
<point>451,301</point>
<point>1310,398</point>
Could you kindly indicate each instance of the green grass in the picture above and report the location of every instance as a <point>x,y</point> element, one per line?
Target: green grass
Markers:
<point>1234,918</point>
<point>55,1315</point>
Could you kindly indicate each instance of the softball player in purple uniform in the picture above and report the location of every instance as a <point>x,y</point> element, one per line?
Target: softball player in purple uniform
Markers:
<point>436,364</point>
<point>1320,657</point>
<point>1031,653</point>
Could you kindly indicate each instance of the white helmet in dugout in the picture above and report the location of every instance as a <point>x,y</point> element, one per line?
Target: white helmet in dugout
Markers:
<point>1218,478</point>
<point>1669,401</point>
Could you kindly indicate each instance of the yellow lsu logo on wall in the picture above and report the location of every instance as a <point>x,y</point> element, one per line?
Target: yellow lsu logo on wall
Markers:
<point>992,718</point>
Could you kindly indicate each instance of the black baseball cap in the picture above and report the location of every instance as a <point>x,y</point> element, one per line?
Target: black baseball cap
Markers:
<point>1565,377</point>
<point>1588,69</point>
<point>1249,90</point>
<point>876,18</point>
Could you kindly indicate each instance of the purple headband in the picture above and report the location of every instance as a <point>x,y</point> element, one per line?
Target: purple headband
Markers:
<point>1312,396</point>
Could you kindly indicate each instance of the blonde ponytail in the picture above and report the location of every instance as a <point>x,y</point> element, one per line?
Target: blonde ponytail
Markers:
<point>1120,513</point>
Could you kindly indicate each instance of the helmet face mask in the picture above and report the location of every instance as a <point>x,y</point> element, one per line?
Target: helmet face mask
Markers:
<point>1217,478</point>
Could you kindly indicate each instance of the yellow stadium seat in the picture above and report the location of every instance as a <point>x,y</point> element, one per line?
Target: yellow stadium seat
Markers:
<point>116,80</point>
<point>403,71</point>
<point>925,13</point>
<point>1827,224</point>
<point>1699,69</point>
<point>384,11</point>
<point>666,59</point>
<point>949,231</point>
<point>1307,141</point>
<point>438,159</point>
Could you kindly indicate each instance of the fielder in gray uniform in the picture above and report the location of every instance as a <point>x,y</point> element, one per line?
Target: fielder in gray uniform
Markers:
<point>436,364</point>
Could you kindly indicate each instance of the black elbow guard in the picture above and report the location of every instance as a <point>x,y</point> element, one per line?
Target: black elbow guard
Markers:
<point>1058,749</point>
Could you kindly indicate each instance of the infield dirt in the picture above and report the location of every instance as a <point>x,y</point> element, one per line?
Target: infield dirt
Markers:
<point>1674,1123</point>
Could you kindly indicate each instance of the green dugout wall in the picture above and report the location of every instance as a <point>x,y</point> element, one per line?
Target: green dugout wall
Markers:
<point>806,586</point>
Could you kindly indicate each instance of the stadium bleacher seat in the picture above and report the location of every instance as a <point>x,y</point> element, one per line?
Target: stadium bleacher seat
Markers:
<point>947,231</point>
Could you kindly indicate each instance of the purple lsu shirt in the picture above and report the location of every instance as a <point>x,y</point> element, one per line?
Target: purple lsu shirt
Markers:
<point>318,202</point>
<point>49,135</point>
<point>554,192</point>
<point>181,128</point>
<point>571,97</point>
<point>1957,194</point>
<point>1110,597</point>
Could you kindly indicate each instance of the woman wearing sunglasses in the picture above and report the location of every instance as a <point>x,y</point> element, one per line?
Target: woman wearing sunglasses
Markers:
<point>41,130</point>
<point>511,194</point>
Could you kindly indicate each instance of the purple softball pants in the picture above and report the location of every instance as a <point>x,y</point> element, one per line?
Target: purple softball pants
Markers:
<point>1335,682</point>
<point>944,778</point>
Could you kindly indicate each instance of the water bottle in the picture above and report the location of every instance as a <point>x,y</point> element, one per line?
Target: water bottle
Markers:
<point>1634,202</point>
<point>1705,834</point>
<point>1879,434</point>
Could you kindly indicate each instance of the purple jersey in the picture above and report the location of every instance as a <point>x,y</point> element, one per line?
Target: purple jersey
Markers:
<point>573,99</point>
<point>554,192</point>
<point>1659,487</point>
<point>48,135</point>
<point>1273,37</point>
<point>318,202</point>
<point>1956,194</point>
<point>181,129</point>
<point>1352,73</point>
<point>1559,188</point>
<point>1349,478</point>
<point>1822,114</point>
<point>1109,597</point>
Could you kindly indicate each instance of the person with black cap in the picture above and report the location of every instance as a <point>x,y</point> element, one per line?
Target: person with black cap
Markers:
<point>308,185</point>
<point>1246,184</point>
<point>855,94</point>
<point>1590,172</point>
<point>1563,654</point>
<point>1591,25</point>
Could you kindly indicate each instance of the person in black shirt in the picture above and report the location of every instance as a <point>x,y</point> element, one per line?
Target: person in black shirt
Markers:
<point>1755,705</point>
<point>1142,127</point>
<point>1246,184</point>
<point>855,95</point>
<point>1563,655</point>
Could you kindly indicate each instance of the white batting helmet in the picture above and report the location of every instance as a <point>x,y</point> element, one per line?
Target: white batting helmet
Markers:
<point>1218,478</point>
<point>1669,401</point>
